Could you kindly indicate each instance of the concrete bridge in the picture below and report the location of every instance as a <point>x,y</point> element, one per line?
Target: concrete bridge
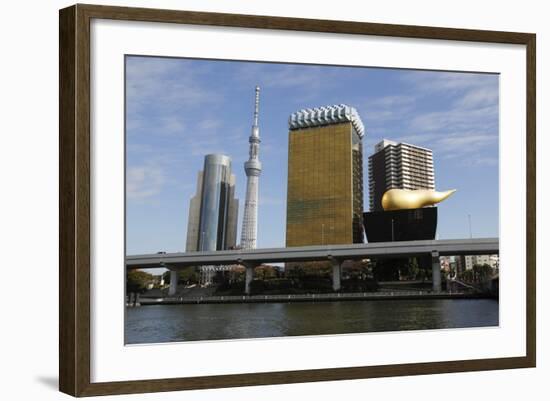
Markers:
<point>336,254</point>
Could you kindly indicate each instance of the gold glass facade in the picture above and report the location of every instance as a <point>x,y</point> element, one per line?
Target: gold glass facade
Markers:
<point>325,186</point>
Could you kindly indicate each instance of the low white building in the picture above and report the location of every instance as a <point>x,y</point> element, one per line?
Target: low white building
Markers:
<point>471,260</point>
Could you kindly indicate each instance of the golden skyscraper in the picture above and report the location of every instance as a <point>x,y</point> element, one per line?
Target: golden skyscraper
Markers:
<point>325,177</point>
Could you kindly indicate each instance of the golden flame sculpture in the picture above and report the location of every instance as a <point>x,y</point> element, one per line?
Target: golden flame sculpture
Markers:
<point>397,199</point>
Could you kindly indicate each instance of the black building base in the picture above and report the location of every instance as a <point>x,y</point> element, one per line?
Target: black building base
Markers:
<point>401,225</point>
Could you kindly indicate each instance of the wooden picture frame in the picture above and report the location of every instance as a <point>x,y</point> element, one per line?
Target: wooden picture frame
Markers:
<point>74,203</point>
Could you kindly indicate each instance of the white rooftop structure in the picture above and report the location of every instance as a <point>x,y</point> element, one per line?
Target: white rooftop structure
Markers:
<point>326,115</point>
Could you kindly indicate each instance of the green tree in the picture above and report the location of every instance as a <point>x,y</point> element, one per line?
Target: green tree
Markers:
<point>411,269</point>
<point>188,275</point>
<point>467,276</point>
<point>482,273</point>
<point>137,281</point>
<point>387,269</point>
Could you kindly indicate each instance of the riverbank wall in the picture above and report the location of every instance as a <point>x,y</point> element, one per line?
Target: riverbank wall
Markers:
<point>363,296</point>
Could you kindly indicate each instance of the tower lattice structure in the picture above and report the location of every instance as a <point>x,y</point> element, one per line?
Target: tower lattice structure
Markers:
<point>253,169</point>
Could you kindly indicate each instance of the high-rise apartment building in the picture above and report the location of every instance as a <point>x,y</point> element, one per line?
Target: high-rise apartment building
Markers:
<point>212,223</point>
<point>398,165</point>
<point>325,177</point>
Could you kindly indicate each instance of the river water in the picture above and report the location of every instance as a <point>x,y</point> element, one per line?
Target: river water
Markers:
<point>166,323</point>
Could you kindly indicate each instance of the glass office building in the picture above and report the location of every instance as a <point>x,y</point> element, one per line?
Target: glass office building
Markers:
<point>212,223</point>
<point>325,177</point>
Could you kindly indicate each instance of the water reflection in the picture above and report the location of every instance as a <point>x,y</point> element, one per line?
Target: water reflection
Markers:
<point>165,323</point>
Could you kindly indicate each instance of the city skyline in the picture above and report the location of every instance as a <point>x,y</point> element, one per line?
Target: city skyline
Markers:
<point>178,110</point>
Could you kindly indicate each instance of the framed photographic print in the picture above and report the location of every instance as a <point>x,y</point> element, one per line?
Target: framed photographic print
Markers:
<point>280,200</point>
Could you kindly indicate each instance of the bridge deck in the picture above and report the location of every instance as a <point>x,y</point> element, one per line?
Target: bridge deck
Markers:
<point>477,246</point>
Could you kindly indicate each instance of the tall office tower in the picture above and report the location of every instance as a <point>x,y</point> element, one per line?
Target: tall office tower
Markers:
<point>212,223</point>
<point>325,177</point>
<point>253,169</point>
<point>398,165</point>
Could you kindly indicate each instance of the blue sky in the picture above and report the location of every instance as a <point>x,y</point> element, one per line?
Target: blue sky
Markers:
<point>179,110</point>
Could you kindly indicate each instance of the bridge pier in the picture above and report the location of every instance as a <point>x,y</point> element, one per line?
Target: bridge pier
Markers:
<point>173,282</point>
<point>436,272</point>
<point>248,277</point>
<point>336,274</point>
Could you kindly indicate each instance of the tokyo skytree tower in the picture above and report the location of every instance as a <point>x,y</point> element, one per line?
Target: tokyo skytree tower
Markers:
<point>253,169</point>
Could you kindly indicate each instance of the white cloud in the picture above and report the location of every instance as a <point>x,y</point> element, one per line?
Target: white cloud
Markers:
<point>468,125</point>
<point>306,82</point>
<point>144,182</point>
<point>209,124</point>
<point>417,139</point>
<point>455,119</point>
<point>479,97</point>
<point>286,76</point>
<point>388,108</point>
<point>452,142</point>
<point>171,125</point>
<point>447,82</point>
<point>166,85</point>
<point>484,161</point>
<point>393,101</point>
